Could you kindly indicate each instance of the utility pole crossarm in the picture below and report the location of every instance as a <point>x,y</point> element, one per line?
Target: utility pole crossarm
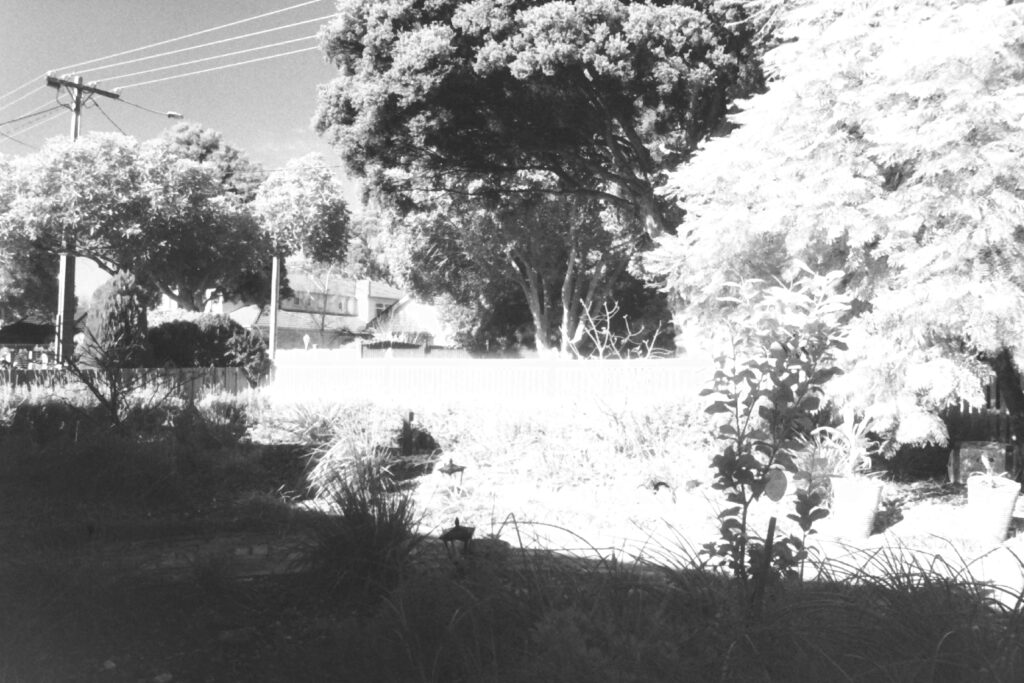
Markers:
<point>55,82</point>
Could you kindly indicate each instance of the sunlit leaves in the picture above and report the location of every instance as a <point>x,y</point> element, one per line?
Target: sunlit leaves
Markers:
<point>890,142</point>
<point>171,210</point>
<point>303,209</point>
<point>767,396</point>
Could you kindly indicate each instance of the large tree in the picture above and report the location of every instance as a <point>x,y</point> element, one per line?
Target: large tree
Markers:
<point>28,274</point>
<point>180,223</point>
<point>235,173</point>
<point>597,97</point>
<point>302,210</point>
<point>201,239</point>
<point>565,255</point>
<point>28,280</point>
<point>890,143</point>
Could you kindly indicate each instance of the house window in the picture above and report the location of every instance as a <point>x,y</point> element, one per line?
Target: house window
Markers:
<point>346,305</point>
<point>381,308</point>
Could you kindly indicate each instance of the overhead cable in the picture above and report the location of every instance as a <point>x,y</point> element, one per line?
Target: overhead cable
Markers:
<point>32,115</point>
<point>112,121</point>
<point>208,59</point>
<point>21,131</point>
<point>14,139</point>
<point>22,86</point>
<point>139,106</point>
<point>202,45</point>
<point>28,94</point>
<point>218,68</point>
<point>185,37</point>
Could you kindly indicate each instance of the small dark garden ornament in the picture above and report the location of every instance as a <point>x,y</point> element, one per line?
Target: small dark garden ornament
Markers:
<point>451,469</point>
<point>456,534</point>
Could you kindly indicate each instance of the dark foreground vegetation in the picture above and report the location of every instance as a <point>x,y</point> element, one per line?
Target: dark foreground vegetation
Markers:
<point>361,596</point>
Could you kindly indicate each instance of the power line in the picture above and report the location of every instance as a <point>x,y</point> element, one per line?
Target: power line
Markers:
<point>26,129</point>
<point>21,87</point>
<point>215,42</point>
<point>190,35</point>
<point>28,94</point>
<point>107,117</point>
<point>218,68</point>
<point>32,114</point>
<point>151,111</point>
<point>14,139</point>
<point>208,59</point>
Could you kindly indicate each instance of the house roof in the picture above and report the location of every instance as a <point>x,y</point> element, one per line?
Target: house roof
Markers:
<point>255,316</point>
<point>340,286</point>
<point>381,290</point>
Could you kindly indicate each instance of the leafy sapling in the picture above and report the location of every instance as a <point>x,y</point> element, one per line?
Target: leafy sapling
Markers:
<point>768,389</point>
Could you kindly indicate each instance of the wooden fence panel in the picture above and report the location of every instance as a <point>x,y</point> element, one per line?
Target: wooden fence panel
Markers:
<point>185,382</point>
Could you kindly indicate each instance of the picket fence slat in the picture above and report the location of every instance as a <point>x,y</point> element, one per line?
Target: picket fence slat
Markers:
<point>186,382</point>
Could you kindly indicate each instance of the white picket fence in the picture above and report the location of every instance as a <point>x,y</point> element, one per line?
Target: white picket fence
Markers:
<point>491,381</point>
<point>181,381</point>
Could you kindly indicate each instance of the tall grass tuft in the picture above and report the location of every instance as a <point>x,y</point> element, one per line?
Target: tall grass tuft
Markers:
<point>364,544</point>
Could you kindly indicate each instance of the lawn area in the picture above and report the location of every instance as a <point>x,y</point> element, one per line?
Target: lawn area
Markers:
<point>207,552</point>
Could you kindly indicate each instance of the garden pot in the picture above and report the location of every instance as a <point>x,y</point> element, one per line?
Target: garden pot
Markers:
<point>990,504</point>
<point>854,503</point>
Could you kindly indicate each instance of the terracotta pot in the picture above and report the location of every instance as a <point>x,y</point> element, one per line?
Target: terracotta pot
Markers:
<point>854,503</point>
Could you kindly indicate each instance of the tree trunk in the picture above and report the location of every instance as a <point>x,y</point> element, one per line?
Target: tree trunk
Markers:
<point>530,283</point>
<point>184,301</point>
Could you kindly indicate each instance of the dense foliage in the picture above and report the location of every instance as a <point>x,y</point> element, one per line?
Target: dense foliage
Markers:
<point>520,143</point>
<point>180,212</point>
<point>596,96</point>
<point>116,326</point>
<point>888,145</point>
<point>208,341</point>
<point>302,210</point>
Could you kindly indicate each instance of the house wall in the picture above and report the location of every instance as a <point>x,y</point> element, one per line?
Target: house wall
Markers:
<point>291,338</point>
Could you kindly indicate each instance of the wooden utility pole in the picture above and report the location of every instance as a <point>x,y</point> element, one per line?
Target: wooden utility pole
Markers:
<point>64,342</point>
<point>275,293</point>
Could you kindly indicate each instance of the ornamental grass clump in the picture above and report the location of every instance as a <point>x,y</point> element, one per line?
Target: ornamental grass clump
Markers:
<point>364,542</point>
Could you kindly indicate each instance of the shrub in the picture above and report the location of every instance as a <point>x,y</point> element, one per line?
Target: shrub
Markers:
<point>116,325</point>
<point>216,419</point>
<point>769,390</point>
<point>338,434</point>
<point>210,341</point>
<point>178,343</point>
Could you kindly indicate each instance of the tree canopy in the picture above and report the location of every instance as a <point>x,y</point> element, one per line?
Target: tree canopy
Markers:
<point>889,144</point>
<point>28,274</point>
<point>564,255</point>
<point>140,207</point>
<point>185,213</point>
<point>200,236</point>
<point>235,173</point>
<point>593,97</point>
<point>302,209</point>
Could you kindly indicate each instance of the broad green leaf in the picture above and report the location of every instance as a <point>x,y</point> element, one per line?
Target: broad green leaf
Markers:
<point>775,486</point>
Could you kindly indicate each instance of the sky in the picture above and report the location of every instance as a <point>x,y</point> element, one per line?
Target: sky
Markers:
<point>263,108</point>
